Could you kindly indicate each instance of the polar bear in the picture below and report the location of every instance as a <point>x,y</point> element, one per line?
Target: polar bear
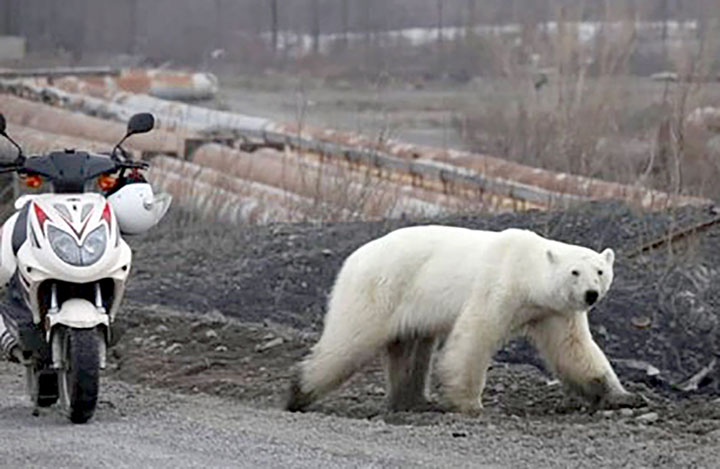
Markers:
<point>404,292</point>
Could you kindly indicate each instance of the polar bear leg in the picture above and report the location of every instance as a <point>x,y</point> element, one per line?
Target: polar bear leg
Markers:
<point>333,360</point>
<point>570,351</point>
<point>467,354</point>
<point>407,367</point>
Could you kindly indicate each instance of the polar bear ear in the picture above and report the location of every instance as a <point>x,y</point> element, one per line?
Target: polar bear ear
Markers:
<point>609,256</point>
<point>552,257</point>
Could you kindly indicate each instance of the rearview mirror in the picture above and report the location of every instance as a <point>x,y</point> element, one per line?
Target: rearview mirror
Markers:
<point>3,125</point>
<point>140,123</point>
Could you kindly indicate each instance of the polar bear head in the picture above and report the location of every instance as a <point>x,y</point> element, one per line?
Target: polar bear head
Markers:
<point>580,277</point>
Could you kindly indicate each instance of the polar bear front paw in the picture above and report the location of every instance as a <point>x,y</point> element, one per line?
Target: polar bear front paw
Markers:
<point>619,400</point>
<point>467,406</point>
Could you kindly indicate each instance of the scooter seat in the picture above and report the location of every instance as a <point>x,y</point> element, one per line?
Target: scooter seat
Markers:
<point>19,234</point>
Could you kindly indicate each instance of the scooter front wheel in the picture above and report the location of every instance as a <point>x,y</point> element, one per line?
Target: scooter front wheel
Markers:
<point>79,378</point>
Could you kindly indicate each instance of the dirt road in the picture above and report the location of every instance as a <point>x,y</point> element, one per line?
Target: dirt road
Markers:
<point>138,427</point>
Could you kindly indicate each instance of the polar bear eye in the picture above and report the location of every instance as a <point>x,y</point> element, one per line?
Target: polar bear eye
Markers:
<point>575,273</point>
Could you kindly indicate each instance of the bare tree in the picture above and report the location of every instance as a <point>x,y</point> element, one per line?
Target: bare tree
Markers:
<point>344,20</point>
<point>440,21</point>
<point>440,38</point>
<point>132,27</point>
<point>316,26</point>
<point>471,8</point>
<point>665,18</point>
<point>11,13</point>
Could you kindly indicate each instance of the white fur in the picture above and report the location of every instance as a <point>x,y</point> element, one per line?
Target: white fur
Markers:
<point>477,289</point>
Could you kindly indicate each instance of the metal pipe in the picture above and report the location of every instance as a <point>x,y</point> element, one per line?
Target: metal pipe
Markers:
<point>59,72</point>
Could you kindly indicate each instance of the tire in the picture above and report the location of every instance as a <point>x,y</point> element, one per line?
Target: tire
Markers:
<point>79,380</point>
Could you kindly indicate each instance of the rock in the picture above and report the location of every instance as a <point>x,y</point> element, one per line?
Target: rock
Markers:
<point>375,390</point>
<point>268,336</point>
<point>626,412</point>
<point>174,348</point>
<point>269,344</point>
<point>607,413</point>
<point>664,76</point>
<point>327,252</point>
<point>641,322</point>
<point>161,329</point>
<point>650,417</point>
<point>221,348</point>
<point>211,334</point>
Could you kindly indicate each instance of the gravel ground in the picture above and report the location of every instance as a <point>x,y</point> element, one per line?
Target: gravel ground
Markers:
<point>216,316</point>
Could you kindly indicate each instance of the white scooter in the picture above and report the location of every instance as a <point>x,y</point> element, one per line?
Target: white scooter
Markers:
<point>63,259</point>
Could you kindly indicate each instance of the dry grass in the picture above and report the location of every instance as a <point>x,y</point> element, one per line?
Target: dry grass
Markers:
<point>579,110</point>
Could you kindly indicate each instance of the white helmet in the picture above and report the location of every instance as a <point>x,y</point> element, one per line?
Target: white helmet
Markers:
<point>137,209</point>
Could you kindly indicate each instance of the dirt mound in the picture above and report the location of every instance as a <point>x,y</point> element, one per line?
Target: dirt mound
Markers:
<point>661,309</point>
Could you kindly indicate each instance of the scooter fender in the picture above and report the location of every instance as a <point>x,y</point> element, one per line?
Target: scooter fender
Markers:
<point>79,314</point>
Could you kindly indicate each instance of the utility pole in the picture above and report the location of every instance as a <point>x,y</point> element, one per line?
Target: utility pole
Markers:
<point>274,24</point>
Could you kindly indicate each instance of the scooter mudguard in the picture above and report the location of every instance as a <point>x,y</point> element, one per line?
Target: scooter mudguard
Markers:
<point>79,314</point>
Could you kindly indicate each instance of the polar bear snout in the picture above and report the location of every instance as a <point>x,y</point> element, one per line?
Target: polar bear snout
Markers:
<point>591,296</point>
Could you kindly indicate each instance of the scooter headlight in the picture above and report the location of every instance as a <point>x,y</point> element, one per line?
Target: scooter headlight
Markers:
<point>94,246</point>
<point>68,250</point>
<point>64,246</point>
